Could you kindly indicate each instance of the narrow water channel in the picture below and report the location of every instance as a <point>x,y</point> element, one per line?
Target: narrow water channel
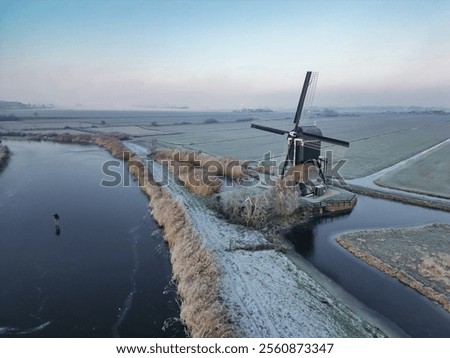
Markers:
<point>413,313</point>
<point>107,273</point>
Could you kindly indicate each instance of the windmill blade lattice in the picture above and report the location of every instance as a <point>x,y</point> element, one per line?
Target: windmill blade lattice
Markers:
<point>307,106</point>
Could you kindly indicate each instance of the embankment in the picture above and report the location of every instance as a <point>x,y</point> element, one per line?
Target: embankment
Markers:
<point>420,191</point>
<point>404,198</point>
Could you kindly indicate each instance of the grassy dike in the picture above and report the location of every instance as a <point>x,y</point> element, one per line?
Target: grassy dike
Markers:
<point>194,269</point>
<point>400,197</point>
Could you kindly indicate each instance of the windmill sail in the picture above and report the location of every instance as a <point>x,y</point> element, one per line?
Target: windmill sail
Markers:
<point>298,112</point>
<point>268,129</point>
<point>307,113</point>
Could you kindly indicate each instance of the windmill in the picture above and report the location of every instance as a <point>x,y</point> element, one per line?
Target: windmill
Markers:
<point>304,142</point>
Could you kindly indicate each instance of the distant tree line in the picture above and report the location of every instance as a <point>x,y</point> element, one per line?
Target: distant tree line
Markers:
<point>20,105</point>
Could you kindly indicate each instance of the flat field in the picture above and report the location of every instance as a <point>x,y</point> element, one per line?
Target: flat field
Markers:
<point>377,140</point>
<point>425,175</point>
<point>419,257</point>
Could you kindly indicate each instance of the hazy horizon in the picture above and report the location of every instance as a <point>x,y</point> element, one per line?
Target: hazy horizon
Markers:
<point>43,107</point>
<point>133,55</point>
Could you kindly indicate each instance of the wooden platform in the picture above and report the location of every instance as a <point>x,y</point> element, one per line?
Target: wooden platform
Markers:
<point>334,200</point>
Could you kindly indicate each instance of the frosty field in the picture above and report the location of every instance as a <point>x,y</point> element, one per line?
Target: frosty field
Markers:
<point>377,140</point>
<point>425,175</point>
<point>417,256</point>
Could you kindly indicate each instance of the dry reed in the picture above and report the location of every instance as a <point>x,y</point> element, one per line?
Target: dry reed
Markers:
<point>199,172</point>
<point>194,269</point>
<point>241,208</point>
<point>284,196</point>
<point>256,209</point>
<point>218,166</point>
<point>112,142</point>
<point>114,146</point>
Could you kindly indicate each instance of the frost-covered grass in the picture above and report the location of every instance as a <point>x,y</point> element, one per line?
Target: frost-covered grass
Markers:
<point>418,257</point>
<point>268,296</point>
<point>235,139</point>
<point>376,141</point>
<point>425,175</point>
<point>368,156</point>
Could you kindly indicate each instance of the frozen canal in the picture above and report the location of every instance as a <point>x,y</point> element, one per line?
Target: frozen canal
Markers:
<point>104,275</point>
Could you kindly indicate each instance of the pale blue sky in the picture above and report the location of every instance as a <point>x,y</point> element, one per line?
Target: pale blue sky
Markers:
<point>224,54</point>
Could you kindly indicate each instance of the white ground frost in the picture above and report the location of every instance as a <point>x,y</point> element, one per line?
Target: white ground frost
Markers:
<point>265,293</point>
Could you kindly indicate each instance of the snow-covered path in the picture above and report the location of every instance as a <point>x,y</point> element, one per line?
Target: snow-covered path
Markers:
<point>265,294</point>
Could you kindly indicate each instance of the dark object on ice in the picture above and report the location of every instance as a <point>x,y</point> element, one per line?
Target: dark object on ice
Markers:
<point>57,228</point>
<point>304,142</point>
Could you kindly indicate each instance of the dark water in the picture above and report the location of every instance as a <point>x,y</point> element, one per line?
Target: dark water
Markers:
<point>104,275</point>
<point>415,314</point>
